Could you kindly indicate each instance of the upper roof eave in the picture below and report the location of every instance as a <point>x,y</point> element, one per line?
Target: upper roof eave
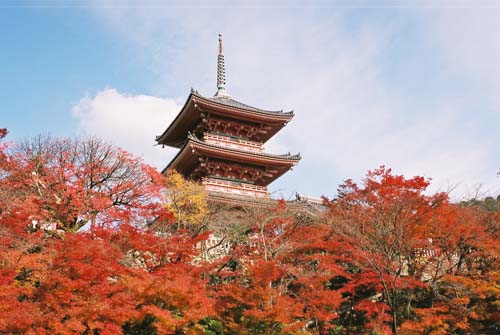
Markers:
<point>225,103</point>
<point>159,138</point>
<point>230,102</point>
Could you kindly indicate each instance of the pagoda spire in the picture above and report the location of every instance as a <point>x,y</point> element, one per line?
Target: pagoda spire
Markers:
<point>221,72</point>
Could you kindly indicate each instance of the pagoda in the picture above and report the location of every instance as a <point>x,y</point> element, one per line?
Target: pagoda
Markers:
<point>221,142</point>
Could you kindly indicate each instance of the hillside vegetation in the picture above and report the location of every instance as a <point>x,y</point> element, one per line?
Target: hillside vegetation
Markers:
<point>93,242</point>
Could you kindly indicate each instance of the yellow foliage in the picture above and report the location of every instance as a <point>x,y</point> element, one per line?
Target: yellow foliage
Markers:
<point>186,199</point>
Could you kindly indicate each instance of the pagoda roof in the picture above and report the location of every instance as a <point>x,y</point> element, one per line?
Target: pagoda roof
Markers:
<point>230,102</point>
<point>196,104</point>
<point>187,158</point>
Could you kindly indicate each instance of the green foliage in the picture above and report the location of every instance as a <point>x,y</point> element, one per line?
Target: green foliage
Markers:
<point>212,326</point>
<point>489,204</point>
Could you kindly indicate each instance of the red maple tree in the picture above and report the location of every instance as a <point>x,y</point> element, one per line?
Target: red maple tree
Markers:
<point>385,257</point>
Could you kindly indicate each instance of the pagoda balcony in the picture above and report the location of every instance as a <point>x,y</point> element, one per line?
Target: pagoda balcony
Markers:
<point>233,143</point>
<point>234,188</point>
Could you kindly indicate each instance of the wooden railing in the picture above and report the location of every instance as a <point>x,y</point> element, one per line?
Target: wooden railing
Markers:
<point>228,187</point>
<point>232,143</point>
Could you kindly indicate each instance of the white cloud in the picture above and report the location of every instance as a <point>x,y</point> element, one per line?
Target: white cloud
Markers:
<point>352,112</point>
<point>131,122</point>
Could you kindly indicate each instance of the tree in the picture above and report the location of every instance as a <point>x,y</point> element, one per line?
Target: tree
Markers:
<point>68,183</point>
<point>426,260</point>
<point>277,280</point>
<point>463,273</point>
<point>186,200</point>
<point>387,257</point>
<point>384,221</point>
<point>106,278</point>
<point>97,281</point>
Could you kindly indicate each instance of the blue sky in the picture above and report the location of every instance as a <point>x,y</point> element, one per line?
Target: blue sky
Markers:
<point>413,85</point>
<point>50,58</point>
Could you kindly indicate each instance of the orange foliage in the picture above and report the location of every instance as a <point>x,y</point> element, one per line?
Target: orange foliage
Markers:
<point>386,258</point>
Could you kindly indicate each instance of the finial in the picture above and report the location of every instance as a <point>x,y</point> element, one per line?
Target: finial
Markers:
<point>221,72</point>
<point>221,51</point>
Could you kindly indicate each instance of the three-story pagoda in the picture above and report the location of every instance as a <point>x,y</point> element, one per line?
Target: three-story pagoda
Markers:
<point>221,143</point>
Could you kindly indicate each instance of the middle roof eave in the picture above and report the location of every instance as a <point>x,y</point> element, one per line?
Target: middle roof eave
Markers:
<point>243,155</point>
<point>185,155</point>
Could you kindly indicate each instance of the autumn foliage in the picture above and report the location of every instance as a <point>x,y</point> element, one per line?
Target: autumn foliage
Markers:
<point>89,244</point>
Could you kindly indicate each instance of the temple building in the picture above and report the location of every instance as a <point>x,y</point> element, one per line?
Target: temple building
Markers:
<point>221,142</point>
